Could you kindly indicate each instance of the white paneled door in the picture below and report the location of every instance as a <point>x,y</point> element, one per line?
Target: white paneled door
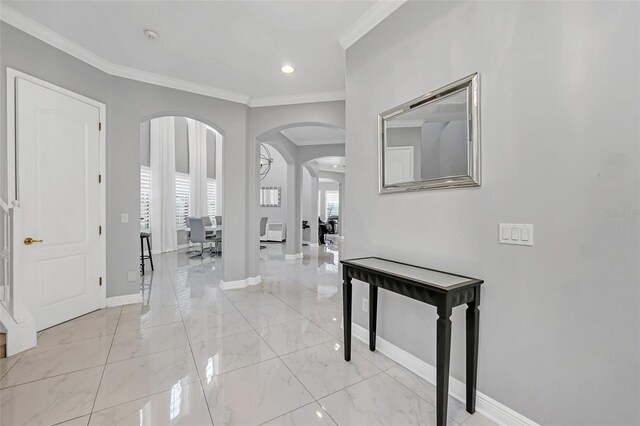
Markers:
<point>58,162</point>
<point>399,165</point>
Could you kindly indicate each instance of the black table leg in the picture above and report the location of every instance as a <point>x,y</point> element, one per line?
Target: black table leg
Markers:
<point>443,355</point>
<point>150,258</point>
<point>346,306</point>
<point>373,315</point>
<point>142,255</point>
<point>473,320</point>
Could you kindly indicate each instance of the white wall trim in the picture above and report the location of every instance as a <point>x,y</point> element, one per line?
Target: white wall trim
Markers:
<point>293,256</point>
<point>35,29</point>
<point>232,285</point>
<point>485,405</point>
<point>376,14</point>
<point>127,299</point>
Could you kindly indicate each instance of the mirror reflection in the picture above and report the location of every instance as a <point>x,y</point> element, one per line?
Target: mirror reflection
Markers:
<point>431,142</point>
<point>428,142</point>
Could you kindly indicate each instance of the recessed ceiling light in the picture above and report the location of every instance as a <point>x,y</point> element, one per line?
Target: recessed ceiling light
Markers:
<point>287,69</point>
<point>335,166</point>
<point>151,35</point>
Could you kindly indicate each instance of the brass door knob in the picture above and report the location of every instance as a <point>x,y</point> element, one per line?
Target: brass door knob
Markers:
<point>28,241</point>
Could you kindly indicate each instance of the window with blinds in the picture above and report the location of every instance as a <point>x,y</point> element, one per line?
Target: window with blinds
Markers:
<point>332,203</point>
<point>270,196</point>
<point>211,199</point>
<point>182,199</point>
<point>145,198</point>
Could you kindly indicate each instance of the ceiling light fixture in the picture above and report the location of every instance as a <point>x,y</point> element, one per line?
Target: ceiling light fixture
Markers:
<point>151,35</point>
<point>287,69</point>
<point>335,166</point>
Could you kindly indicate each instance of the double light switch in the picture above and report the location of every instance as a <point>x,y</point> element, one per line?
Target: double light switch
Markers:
<point>516,233</point>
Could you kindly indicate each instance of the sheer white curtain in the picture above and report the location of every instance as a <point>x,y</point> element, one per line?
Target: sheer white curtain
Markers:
<point>197,168</point>
<point>163,186</point>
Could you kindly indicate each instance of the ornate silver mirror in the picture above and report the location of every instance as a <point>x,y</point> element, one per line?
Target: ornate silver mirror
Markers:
<point>432,141</point>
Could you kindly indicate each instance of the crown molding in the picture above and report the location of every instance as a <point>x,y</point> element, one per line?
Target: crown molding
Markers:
<point>39,31</point>
<point>372,17</point>
<point>304,98</point>
<point>178,84</point>
<point>34,29</point>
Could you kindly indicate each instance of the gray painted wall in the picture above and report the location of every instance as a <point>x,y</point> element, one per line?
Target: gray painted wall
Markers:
<point>182,145</point>
<point>560,102</point>
<point>128,104</point>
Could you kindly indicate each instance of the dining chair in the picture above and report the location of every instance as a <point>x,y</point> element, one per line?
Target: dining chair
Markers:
<point>198,234</point>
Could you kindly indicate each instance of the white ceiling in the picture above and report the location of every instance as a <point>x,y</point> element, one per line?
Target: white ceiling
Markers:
<point>234,46</point>
<point>314,135</point>
<point>331,164</point>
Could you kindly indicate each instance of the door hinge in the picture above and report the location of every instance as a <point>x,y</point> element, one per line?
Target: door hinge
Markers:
<point>99,178</point>
<point>100,281</point>
<point>100,230</point>
<point>99,125</point>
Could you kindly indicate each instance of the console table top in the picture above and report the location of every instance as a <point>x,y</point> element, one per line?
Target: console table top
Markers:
<point>428,277</point>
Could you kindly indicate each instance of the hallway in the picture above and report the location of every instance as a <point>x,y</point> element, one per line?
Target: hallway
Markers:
<point>194,354</point>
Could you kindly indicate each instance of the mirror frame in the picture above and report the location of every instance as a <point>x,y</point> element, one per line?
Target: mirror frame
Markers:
<point>472,178</point>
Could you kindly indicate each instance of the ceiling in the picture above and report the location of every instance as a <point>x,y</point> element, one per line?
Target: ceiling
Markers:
<point>236,47</point>
<point>331,164</point>
<point>314,135</point>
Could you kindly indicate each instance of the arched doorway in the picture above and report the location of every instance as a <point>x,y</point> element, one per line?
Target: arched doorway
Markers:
<point>180,177</point>
<point>299,144</point>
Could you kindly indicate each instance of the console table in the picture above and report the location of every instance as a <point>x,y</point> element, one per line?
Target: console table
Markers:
<point>440,289</point>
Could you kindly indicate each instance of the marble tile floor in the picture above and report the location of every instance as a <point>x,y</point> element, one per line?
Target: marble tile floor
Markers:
<point>193,354</point>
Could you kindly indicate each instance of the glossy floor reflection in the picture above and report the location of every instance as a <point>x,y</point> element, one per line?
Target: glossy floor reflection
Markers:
<point>193,354</point>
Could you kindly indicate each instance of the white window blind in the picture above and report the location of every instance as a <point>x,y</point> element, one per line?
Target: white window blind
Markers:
<point>332,203</point>
<point>211,199</point>
<point>145,198</point>
<point>182,199</point>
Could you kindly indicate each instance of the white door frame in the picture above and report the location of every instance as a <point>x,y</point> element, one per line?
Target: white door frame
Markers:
<point>12,74</point>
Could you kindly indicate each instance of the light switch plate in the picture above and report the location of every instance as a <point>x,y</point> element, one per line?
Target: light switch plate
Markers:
<point>520,234</point>
<point>124,218</point>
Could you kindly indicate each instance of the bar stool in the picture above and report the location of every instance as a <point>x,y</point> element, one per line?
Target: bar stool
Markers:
<point>143,257</point>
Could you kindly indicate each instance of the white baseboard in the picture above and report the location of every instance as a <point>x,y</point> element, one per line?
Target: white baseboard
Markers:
<point>485,405</point>
<point>231,285</point>
<point>127,299</point>
<point>293,256</point>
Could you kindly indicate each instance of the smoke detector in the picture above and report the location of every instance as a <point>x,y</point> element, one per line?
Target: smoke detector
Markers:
<point>151,35</point>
